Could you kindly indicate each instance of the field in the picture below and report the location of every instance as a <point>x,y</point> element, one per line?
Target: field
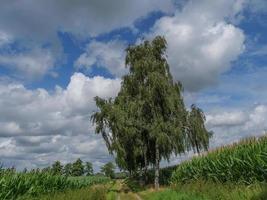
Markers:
<point>237,171</point>
<point>24,185</point>
<point>243,162</point>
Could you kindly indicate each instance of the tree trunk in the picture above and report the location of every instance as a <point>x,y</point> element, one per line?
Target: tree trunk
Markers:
<point>157,168</point>
<point>198,151</point>
<point>146,166</point>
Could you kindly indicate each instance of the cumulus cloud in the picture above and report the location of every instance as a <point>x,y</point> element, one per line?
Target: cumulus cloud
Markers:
<point>31,23</point>
<point>32,65</point>
<point>202,41</point>
<point>38,123</point>
<point>227,119</point>
<point>233,125</point>
<point>110,55</point>
<point>42,19</point>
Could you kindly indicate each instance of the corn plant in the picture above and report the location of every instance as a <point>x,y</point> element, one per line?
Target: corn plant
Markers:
<point>14,185</point>
<point>244,162</point>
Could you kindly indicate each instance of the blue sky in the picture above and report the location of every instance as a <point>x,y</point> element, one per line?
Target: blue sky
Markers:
<point>56,56</point>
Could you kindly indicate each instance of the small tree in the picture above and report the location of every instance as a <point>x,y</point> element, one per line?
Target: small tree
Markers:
<point>68,169</point>
<point>57,168</point>
<point>108,169</point>
<point>89,169</point>
<point>77,168</point>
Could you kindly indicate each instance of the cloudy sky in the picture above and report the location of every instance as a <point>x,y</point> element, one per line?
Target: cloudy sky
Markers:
<point>55,56</point>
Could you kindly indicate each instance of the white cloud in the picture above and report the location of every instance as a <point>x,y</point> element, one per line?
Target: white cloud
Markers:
<point>36,24</point>
<point>4,38</point>
<point>37,124</point>
<point>110,55</point>
<point>226,119</point>
<point>32,65</point>
<point>42,19</point>
<point>202,42</point>
<point>257,119</point>
<point>232,125</point>
<point>10,128</point>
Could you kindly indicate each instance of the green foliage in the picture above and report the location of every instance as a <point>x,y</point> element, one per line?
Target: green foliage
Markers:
<point>77,168</point>
<point>89,193</point>
<point>44,170</point>
<point>209,190</point>
<point>84,181</point>
<point>108,170</point>
<point>121,175</point>
<point>199,136</point>
<point>245,162</point>
<point>165,175</point>
<point>148,121</point>
<point>261,196</point>
<point>89,169</point>
<point>14,185</point>
<point>131,184</point>
<point>170,195</point>
<point>67,169</point>
<point>57,168</point>
<point>199,190</point>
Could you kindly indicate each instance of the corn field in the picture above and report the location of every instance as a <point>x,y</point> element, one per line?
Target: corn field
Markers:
<point>243,162</point>
<point>14,185</point>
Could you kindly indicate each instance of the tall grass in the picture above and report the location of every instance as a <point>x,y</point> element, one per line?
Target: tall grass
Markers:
<point>244,162</point>
<point>14,185</point>
<point>199,190</point>
<point>97,192</point>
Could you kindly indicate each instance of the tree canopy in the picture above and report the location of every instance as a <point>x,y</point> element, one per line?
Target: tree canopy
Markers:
<point>57,168</point>
<point>77,168</point>
<point>108,169</point>
<point>148,121</point>
<point>89,169</point>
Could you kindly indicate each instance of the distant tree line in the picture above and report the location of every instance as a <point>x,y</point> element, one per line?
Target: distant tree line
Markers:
<point>77,168</point>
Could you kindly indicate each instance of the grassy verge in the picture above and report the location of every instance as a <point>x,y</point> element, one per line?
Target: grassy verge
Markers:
<point>97,192</point>
<point>208,191</point>
<point>168,194</point>
<point>113,191</point>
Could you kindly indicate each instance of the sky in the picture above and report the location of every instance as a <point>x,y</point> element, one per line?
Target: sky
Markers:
<point>56,56</point>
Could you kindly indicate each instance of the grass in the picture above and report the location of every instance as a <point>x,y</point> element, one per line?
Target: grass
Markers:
<point>200,190</point>
<point>97,192</point>
<point>168,194</point>
<point>128,196</point>
<point>109,191</point>
<point>113,190</point>
<point>197,190</point>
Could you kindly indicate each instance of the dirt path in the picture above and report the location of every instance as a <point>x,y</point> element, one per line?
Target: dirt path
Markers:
<point>120,194</point>
<point>137,197</point>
